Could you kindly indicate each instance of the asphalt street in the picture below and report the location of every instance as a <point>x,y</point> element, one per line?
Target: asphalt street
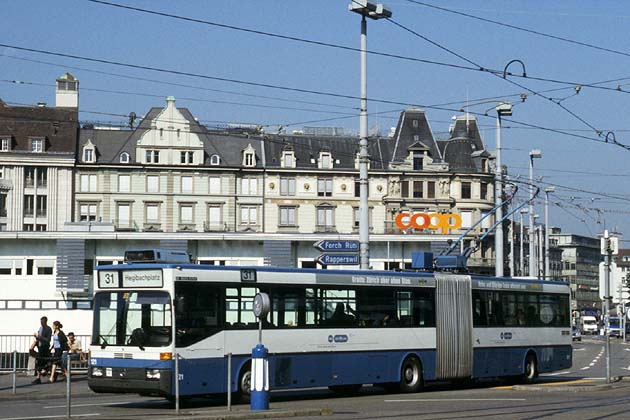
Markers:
<point>439,401</point>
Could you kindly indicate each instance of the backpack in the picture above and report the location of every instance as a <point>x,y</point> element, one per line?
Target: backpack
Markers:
<point>63,341</point>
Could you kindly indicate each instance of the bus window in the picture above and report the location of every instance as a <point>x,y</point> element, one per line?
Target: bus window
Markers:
<point>197,311</point>
<point>338,307</point>
<point>285,308</point>
<point>424,309</point>
<point>239,303</point>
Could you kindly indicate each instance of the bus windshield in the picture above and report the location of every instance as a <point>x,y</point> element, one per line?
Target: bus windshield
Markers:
<point>132,318</point>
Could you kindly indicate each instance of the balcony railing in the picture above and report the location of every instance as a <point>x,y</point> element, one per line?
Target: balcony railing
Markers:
<point>125,225</point>
<point>215,226</point>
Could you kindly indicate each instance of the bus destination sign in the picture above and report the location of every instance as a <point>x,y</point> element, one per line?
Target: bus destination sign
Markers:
<point>145,278</point>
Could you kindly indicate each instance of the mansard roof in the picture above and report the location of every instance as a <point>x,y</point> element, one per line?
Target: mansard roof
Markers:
<point>466,127</point>
<point>109,143</point>
<point>57,125</point>
<point>458,153</point>
<point>407,133</point>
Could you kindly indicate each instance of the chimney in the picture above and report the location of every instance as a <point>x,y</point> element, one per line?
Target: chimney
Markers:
<point>67,92</point>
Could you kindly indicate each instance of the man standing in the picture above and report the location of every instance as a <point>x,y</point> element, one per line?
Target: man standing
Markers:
<point>43,348</point>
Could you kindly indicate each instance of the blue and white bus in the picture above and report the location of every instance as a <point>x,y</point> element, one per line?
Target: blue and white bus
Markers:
<point>339,329</point>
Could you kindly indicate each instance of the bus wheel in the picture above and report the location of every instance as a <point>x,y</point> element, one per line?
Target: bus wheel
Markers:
<point>245,383</point>
<point>411,379</point>
<point>531,369</point>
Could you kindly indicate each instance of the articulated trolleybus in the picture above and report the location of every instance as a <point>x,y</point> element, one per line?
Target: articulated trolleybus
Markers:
<point>340,329</point>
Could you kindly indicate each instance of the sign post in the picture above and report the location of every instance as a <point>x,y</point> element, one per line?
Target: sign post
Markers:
<point>259,398</point>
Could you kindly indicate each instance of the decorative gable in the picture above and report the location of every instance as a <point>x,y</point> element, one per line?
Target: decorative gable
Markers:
<point>249,156</point>
<point>171,139</point>
<point>88,153</point>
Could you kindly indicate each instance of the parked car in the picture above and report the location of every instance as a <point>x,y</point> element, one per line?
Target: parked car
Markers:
<point>576,334</point>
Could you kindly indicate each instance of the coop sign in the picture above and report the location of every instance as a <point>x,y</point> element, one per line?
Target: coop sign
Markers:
<point>434,221</point>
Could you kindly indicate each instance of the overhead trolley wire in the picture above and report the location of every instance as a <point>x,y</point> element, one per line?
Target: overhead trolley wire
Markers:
<point>519,28</point>
<point>347,48</point>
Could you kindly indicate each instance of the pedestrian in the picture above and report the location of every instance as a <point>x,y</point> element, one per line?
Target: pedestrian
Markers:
<point>74,350</point>
<point>42,341</point>
<point>59,345</point>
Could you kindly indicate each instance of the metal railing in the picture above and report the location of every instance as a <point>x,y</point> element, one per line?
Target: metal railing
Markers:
<point>22,343</point>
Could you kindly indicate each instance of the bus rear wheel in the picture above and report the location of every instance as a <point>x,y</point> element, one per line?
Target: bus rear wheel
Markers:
<point>531,369</point>
<point>411,379</point>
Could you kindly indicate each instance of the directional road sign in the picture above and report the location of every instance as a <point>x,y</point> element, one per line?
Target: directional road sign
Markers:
<point>337,246</point>
<point>338,259</point>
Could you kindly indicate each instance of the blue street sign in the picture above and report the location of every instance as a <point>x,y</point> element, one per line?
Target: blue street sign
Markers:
<point>337,246</point>
<point>338,259</point>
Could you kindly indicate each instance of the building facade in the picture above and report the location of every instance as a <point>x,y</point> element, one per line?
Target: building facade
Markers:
<point>227,197</point>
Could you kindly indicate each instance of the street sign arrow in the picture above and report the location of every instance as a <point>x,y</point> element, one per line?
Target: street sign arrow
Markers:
<point>338,259</point>
<point>337,246</point>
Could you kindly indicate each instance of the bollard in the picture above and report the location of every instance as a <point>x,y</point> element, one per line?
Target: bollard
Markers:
<point>68,385</point>
<point>14,370</point>
<point>229,382</point>
<point>259,399</point>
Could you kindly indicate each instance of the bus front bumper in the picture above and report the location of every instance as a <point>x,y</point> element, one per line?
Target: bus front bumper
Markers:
<point>155,382</point>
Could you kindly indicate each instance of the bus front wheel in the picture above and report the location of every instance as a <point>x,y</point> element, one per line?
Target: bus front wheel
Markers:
<point>245,383</point>
<point>411,379</point>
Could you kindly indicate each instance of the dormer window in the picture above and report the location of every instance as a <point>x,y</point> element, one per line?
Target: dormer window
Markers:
<point>88,155</point>
<point>415,124</point>
<point>249,157</point>
<point>5,144</point>
<point>417,161</point>
<point>288,159</point>
<point>37,145</point>
<point>325,160</point>
<point>215,160</point>
<point>124,157</point>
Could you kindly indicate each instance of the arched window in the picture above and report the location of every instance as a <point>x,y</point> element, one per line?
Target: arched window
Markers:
<point>124,157</point>
<point>215,160</point>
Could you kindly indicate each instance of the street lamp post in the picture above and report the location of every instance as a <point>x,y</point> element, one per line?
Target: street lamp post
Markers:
<point>547,253</point>
<point>533,154</point>
<point>503,110</point>
<point>521,262</point>
<point>374,11</point>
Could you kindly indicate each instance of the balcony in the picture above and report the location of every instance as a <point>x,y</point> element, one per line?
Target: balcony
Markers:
<point>152,227</point>
<point>325,229</point>
<point>186,227</point>
<point>215,226</point>
<point>125,225</point>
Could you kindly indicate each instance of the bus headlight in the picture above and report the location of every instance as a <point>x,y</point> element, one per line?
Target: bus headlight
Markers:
<point>153,374</point>
<point>97,372</point>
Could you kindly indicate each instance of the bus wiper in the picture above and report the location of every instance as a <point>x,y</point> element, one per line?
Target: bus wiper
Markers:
<point>104,343</point>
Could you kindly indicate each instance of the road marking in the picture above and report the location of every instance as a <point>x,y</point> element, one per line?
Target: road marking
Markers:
<point>89,405</point>
<point>456,399</point>
<point>560,373</point>
<point>48,417</point>
<point>581,349</point>
<point>586,367</point>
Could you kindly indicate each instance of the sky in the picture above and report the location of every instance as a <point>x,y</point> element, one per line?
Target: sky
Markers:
<point>220,61</point>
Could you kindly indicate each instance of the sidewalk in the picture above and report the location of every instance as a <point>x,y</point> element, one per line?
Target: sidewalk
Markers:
<point>45,390</point>
<point>25,391</point>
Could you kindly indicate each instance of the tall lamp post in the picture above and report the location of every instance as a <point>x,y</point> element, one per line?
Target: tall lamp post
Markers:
<point>522,258</point>
<point>503,110</point>
<point>533,154</point>
<point>374,11</point>
<point>547,253</point>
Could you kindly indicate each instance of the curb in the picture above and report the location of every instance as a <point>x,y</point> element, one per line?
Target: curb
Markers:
<point>550,387</point>
<point>266,414</point>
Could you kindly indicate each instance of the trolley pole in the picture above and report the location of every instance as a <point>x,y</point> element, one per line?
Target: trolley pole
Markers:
<point>607,298</point>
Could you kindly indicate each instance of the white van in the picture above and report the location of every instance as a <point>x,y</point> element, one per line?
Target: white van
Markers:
<point>589,324</point>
